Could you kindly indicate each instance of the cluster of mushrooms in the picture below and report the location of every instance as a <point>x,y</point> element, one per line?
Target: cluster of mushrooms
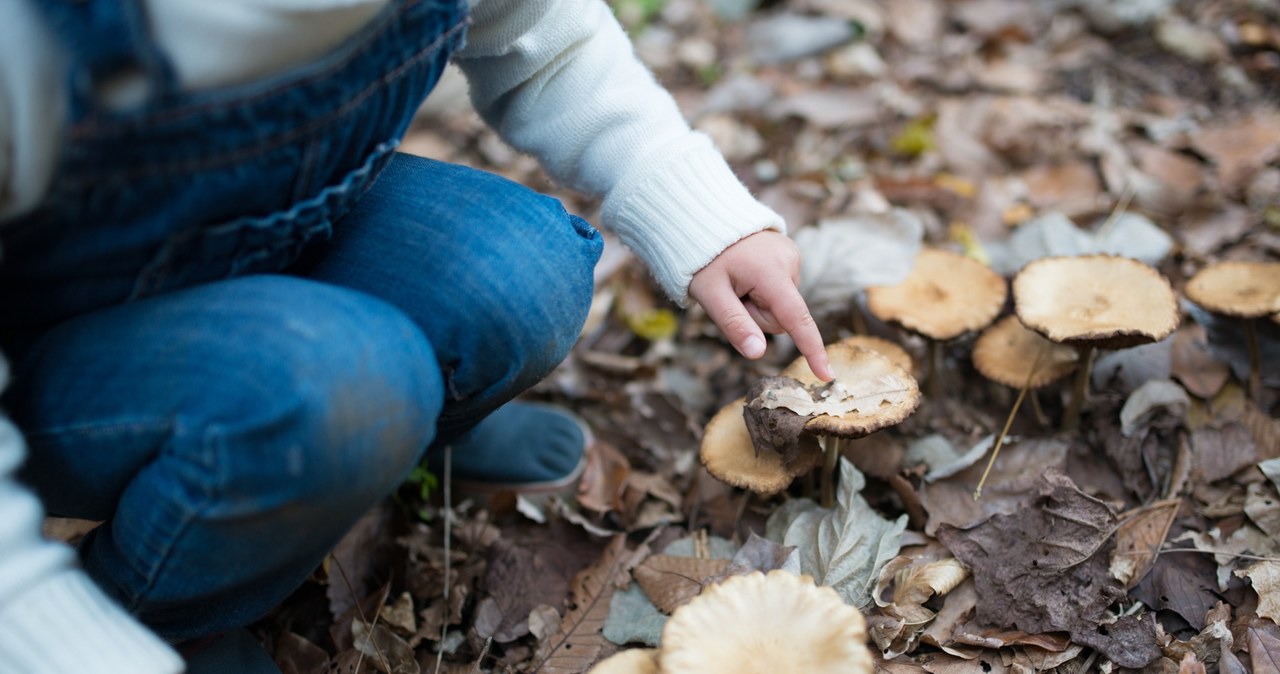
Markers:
<point>1065,310</point>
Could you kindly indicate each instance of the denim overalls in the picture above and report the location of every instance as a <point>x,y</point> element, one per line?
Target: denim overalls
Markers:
<point>239,317</point>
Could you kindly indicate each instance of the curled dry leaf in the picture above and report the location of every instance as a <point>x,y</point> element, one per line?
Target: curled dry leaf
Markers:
<point>1139,539</point>
<point>1265,577</point>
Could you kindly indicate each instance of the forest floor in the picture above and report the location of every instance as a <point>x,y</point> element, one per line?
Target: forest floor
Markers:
<point>1007,130</point>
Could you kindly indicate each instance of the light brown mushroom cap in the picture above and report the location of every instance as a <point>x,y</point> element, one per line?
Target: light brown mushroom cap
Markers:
<point>1007,351</point>
<point>861,370</point>
<point>1102,301</point>
<point>891,350</point>
<point>728,454</point>
<point>630,661</point>
<point>945,295</point>
<point>778,623</point>
<point>1240,289</point>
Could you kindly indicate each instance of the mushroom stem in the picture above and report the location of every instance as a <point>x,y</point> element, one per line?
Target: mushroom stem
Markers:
<point>1255,358</point>
<point>858,320</point>
<point>1041,417</point>
<point>933,385</point>
<point>1071,420</point>
<point>831,456</point>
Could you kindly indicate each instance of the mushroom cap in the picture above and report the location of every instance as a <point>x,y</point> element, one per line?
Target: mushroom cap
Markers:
<point>1007,351</point>
<point>945,295</point>
<point>728,454</point>
<point>1100,301</point>
<point>755,623</point>
<point>863,371</point>
<point>891,350</point>
<point>630,661</point>
<point>1240,289</point>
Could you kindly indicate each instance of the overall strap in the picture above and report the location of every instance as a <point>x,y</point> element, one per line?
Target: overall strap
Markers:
<point>106,41</point>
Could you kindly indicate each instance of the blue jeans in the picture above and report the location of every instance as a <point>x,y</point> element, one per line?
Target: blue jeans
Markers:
<point>240,318</point>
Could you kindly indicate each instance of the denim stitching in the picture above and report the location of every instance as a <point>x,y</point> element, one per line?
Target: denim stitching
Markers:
<point>98,428</point>
<point>270,143</point>
<point>188,518</point>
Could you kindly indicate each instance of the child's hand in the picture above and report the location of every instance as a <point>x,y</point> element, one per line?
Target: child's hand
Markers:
<point>752,285</point>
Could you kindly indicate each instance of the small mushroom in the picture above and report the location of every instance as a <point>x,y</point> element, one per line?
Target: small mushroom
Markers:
<point>870,392</point>
<point>778,623</point>
<point>945,296</point>
<point>871,371</point>
<point>1010,354</point>
<point>1093,302</point>
<point>1243,290</point>
<point>630,661</point>
<point>728,454</point>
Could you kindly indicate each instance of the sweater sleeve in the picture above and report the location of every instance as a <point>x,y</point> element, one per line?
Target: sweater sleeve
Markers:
<point>559,79</point>
<point>53,619</point>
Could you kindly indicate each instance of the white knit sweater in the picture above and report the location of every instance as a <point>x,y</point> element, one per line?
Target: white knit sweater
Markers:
<point>556,78</point>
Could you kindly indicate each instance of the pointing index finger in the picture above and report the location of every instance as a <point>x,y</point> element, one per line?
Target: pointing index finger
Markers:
<point>786,304</point>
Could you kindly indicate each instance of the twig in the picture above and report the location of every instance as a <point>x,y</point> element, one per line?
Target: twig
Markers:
<point>483,653</point>
<point>1008,422</point>
<point>360,613</point>
<point>1226,553</point>
<point>448,552</point>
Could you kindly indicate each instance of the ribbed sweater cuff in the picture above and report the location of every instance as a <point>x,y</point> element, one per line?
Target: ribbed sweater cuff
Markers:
<point>681,208</point>
<point>66,624</point>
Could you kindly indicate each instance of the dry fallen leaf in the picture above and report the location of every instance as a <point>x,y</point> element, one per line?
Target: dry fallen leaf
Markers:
<point>1044,569</point>
<point>1139,539</point>
<point>1240,147</point>
<point>670,581</point>
<point>580,640</point>
<point>844,547</point>
<point>1265,577</point>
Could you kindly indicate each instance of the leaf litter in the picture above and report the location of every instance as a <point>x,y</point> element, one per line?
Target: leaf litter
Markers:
<point>1006,130</point>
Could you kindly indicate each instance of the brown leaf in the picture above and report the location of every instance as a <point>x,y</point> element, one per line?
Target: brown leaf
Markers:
<point>1190,665</point>
<point>296,655</point>
<point>1264,647</point>
<point>1071,188</point>
<point>521,575</point>
<point>1265,577</point>
<point>1222,452</point>
<point>1138,541</point>
<point>604,478</point>
<point>1194,365</point>
<point>1239,148</point>
<point>580,640</point>
<point>1012,479</point>
<point>1184,583</point>
<point>957,606</point>
<point>670,581</point>
<point>388,652</point>
<point>1044,569</point>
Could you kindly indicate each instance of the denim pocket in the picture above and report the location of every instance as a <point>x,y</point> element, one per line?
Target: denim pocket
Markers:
<point>257,244</point>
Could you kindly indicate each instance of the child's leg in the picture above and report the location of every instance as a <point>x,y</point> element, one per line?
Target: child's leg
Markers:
<point>497,276</point>
<point>229,434</point>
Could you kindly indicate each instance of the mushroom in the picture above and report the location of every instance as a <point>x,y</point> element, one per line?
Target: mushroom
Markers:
<point>728,454</point>
<point>870,392</point>
<point>1243,290</point>
<point>778,623</point>
<point>630,661</point>
<point>866,370</point>
<point>1010,354</point>
<point>945,295</point>
<point>1093,302</point>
